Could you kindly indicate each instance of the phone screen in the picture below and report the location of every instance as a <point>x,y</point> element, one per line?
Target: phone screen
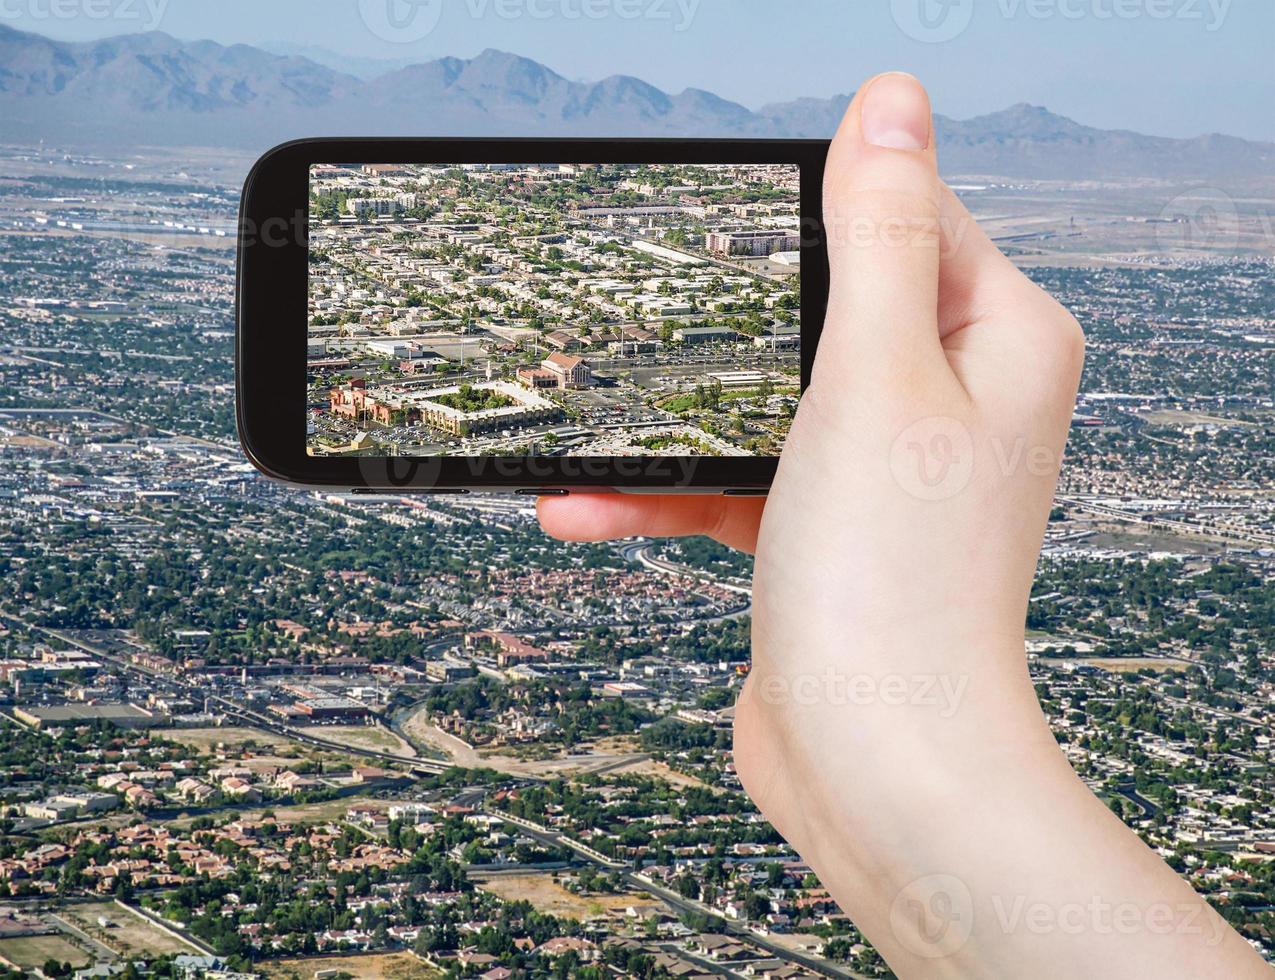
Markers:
<point>553,309</point>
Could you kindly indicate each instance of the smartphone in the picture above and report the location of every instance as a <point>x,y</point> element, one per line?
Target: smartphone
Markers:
<point>530,315</point>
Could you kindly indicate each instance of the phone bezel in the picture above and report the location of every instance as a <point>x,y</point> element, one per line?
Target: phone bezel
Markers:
<point>271,299</point>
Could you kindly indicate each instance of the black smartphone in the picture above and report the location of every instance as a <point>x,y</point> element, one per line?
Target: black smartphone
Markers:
<point>534,315</point>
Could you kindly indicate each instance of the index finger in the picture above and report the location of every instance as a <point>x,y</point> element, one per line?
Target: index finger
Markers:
<point>606,516</point>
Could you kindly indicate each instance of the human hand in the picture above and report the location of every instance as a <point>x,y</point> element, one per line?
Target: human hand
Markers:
<point>888,728</point>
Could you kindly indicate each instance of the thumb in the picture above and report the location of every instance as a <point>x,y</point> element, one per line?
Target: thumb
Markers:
<point>881,212</point>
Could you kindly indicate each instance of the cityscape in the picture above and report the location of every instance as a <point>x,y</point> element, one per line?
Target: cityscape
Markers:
<point>553,309</point>
<point>252,731</point>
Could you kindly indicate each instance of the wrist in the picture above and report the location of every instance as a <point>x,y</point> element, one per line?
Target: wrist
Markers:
<point>867,748</point>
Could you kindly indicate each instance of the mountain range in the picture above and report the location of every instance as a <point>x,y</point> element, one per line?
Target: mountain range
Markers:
<point>151,89</point>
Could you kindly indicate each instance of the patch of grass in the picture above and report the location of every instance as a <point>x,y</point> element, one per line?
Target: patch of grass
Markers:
<point>471,399</point>
<point>30,952</point>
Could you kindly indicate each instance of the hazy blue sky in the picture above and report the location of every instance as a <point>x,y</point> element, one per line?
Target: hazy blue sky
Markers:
<point>1171,67</point>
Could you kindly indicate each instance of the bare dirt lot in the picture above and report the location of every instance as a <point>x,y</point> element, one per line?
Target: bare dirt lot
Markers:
<point>367,966</point>
<point>128,933</point>
<point>542,891</point>
<point>233,738</point>
<point>301,812</point>
<point>1127,665</point>
<point>362,737</point>
<point>1193,418</point>
<point>1118,536</point>
<point>264,748</point>
<point>615,754</point>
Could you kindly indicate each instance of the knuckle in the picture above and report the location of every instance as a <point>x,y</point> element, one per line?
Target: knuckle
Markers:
<point>1066,336</point>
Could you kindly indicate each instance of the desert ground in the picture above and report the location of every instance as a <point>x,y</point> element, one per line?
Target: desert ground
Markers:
<point>365,966</point>
<point>542,890</point>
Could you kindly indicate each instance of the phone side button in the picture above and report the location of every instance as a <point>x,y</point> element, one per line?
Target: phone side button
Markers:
<point>746,492</point>
<point>542,492</point>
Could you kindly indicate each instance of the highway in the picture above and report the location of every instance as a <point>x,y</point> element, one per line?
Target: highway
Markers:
<point>677,902</point>
<point>238,711</point>
<point>639,552</point>
<point>1253,538</point>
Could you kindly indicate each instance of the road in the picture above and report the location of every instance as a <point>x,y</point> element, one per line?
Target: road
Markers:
<point>683,905</point>
<point>238,711</point>
<point>1130,793</point>
<point>101,952</point>
<point>1253,538</point>
<point>639,552</point>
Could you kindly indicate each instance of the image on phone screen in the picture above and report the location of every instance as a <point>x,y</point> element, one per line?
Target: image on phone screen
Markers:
<point>504,309</point>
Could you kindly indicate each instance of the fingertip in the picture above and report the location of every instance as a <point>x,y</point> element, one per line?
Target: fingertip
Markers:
<point>580,516</point>
<point>888,109</point>
<point>894,112</point>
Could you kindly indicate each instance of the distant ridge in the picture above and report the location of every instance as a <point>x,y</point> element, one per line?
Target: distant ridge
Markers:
<point>152,89</point>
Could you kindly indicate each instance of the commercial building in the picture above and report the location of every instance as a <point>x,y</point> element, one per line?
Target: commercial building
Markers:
<point>780,336</point>
<point>703,335</point>
<point>510,650</point>
<point>527,408</point>
<point>665,253</point>
<point>54,809</point>
<point>735,379</point>
<point>332,709</point>
<point>755,243</point>
<point>64,715</point>
<point>571,372</point>
<point>380,206</point>
<point>537,377</point>
<point>448,670</point>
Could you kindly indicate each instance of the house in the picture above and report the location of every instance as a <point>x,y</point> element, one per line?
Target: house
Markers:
<point>563,340</point>
<point>561,945</point>
<point>241,789</point>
